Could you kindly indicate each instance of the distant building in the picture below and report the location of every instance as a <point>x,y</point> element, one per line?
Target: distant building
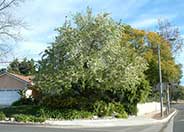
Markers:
<point>10,84</point>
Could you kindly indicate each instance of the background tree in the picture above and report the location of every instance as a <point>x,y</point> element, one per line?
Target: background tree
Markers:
<point>171,34</point>
<point>2,70</point>
<point>9,25</point>
<point>177,93</point>
<point>88,63</point>
<point>25,67</point>
<point>145,44</point>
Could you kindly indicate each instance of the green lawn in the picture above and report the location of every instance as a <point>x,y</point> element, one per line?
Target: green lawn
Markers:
<point>24,109</point>
<point>38,111</point>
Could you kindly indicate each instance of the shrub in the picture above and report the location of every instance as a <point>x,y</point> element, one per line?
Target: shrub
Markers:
<point>122,115</point>
<point>24,101</point>
<point>28,118</point>
<point>75,114</point>
<point>68,114</point>
<point>119,109</point>
<point>177,93</point>
<point>36,119</point>
<point>24,109</point>
<point>58,102</point>
<point>21,118</point>
<point>102,108</point>
<point>102,64</point>
<point>17,103</point>
<point>2,116</point>
<point>131,109</point>
<point>153,96</point>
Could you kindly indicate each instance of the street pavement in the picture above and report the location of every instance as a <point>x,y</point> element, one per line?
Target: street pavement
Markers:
<point>147,128</point>
<point>179,119</point>
<point>178,122</point>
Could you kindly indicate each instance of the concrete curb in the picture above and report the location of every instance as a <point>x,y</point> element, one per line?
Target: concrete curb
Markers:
<point>19,123</point>
<point>168,117</point>
<point>137,121</point>
<point>168,127</point>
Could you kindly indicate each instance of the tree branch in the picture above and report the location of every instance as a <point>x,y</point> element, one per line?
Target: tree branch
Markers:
<point>6,5</point>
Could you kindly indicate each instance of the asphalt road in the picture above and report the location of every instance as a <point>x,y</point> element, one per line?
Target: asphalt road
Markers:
<point>177,124</point>
<point>148,128</point>
<point>179,119</point>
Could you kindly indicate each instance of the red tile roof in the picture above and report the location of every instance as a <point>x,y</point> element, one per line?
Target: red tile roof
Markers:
<point>25,78</point>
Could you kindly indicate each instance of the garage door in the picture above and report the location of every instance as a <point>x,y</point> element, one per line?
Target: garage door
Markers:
<point>8,97</point>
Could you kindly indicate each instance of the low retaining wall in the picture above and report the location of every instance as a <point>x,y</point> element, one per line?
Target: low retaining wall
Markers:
<point>148,108</point>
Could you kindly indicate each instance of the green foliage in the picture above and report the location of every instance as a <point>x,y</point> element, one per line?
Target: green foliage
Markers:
<point>122,115</point>
<point>147,48</point>
<point>27,118</point>
<point>22,93</point>
<point>102,108</point>
<point>17,103</point>
<point>177,93</point>
<point>90,61</point>
<point>119,110</point>
<point>143,91</point>
<point>131,109</point>
<point>25,67</point>
<point>24,101</point>
<point>68,114</point>
<point>153,96</point>
<point>58,102</point>
<point>24,109</point>
<point>28,113</point>
<point>2,116</point>
<point>21,118</point>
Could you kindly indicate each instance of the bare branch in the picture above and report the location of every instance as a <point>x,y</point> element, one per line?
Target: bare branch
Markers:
<point>170,33</point>
<point>5,4</point>
<point>4,50</point>
<point>2,3</point>
<point>10,26</point>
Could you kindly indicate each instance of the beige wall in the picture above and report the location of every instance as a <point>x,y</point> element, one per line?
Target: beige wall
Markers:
<point>9,83</point>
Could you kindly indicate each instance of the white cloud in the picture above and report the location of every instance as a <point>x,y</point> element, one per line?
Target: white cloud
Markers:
<point>29,49</point>
<point>144,23</point>
<point>150,20</point>
<point>43,16</point>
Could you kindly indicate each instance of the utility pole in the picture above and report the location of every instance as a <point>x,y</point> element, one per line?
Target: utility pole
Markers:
<point>168,98</point>
<point>160,84</point>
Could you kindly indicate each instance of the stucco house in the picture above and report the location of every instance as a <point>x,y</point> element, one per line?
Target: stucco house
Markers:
<point>10,84</point>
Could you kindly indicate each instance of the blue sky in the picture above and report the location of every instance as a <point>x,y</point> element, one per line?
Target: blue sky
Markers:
<point>43,16</point>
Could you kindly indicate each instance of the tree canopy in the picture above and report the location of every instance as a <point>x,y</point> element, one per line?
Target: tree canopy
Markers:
<point>94,58</point>
<point>90,56</point>
<point>146,44</point>
<point>25,67</point>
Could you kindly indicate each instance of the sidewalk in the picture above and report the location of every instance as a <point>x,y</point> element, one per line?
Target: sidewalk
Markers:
<point>148,119</point>
<point>131,121</point>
